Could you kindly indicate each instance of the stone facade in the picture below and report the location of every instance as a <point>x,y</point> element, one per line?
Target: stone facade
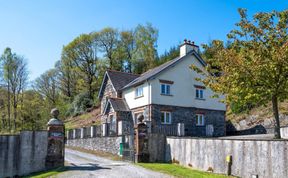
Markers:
<point>109,91</point>
<point>105,144</point>
<point>187,116</point>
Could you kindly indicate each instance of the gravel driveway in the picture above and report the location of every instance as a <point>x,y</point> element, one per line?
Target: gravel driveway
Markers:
<point>88,165</point>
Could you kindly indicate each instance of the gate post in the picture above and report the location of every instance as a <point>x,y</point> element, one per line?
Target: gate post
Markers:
<point>55,150</point>
<point>141,141</point>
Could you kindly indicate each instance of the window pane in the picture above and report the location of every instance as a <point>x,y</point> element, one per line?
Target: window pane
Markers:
<point>201,93</point>
<point>163,117</point>
<point>168,89</point>
<point>162,88</point>
<point>197,93</point>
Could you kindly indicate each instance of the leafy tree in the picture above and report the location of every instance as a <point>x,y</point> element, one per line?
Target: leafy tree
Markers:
<point>107,40</point>
<point>46,85</point>
<point>7,58</point>
<point>255,65</point>
<point>82,51</point>
<point>172,53</point>
<point>146,52</point>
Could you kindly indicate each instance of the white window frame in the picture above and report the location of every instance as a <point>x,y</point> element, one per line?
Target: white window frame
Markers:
<point>165,89</point>
<point>166,113</point>
<point>199,121</point>
<point>199,91</point>
<point>138,93</point>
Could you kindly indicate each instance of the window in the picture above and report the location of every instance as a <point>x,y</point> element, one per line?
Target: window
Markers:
<point>199,93</point>
<point>200,120</point>
<point>165,117</point>
<point>165,89</point>
<point>139,92</point>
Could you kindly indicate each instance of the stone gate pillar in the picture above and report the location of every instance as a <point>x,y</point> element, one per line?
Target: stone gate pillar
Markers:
<point>141,141</point>
<point>55,150</point>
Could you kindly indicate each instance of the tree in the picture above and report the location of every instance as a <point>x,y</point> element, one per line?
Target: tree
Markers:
<point>107,40</point>
<point>127,46</point>
<point>46,85</point>
<point>18,81</point>
<point>171,54</point>
<point>254,67</point>
<point>146,52</point>
<point>82,51</point>
<point>67,76</point>
<point>6,59</point>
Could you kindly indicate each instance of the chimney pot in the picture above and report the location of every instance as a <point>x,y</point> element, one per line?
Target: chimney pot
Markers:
<point>185,40</point>
<point>189,42</point>
<point>192,43</point>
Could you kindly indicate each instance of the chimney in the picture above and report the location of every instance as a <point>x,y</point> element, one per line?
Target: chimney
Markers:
<point>188,46</point>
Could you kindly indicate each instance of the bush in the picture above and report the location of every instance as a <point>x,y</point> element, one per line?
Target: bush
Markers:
<point>81,103</point>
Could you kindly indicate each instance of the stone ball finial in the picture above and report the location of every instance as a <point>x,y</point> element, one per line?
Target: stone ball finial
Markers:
<point>55,113</point>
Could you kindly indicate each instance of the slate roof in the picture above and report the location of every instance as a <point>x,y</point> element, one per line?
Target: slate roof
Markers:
<point>151,73</point>
<point>120,79</point>
<point>118,104</point>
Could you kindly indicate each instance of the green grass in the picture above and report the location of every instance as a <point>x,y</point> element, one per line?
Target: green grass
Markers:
<point>180,171</point>
<point>49,173</point>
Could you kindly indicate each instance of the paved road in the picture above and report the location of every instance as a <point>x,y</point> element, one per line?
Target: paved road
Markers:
<point>86,165</point>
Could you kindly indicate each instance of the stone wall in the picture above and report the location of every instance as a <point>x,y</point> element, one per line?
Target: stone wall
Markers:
<point>23,154</point>
<point>265,158</point>
<point>106,144</point>
<point>187,116</point>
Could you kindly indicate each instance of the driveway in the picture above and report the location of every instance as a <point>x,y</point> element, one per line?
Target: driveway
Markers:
<point>88,165</point>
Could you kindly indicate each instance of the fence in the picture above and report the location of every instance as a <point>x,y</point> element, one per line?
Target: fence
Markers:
<point>170,130</point>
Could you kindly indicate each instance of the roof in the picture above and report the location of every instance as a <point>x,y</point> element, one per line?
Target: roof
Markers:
<point>151,73</point>
<point>118,104</point>
<point>118,79</point>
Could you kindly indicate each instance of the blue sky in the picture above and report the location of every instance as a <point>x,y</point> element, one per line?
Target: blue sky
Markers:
<point>38,29</point>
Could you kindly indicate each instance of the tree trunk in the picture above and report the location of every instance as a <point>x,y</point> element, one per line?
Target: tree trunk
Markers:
<point>277,134</point>
<point>15,110</point>
<point>8,106</point>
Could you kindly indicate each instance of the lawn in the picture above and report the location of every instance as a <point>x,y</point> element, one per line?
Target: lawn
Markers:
<point>49,173</point>
<point>180,171</point>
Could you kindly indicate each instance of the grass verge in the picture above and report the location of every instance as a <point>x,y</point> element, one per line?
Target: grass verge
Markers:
<point>49,173</point>
<point>180,171</point>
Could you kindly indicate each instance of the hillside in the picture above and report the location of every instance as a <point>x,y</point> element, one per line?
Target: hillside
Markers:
<point>84,120</point>
<point>258,117</point>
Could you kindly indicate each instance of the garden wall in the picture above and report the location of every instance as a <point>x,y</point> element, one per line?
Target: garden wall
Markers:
<point>265,158</point>
<point>106,144</point>
<point>23,154</point>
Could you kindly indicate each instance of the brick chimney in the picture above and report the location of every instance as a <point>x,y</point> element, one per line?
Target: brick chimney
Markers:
<point>188,46</point>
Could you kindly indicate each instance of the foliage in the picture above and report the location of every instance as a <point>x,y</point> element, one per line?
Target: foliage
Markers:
<point>254,67</point>
<point>179,171</point>
<point>81,103</point>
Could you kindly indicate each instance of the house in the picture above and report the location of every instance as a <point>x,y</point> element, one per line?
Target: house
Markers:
<point>165,96</point>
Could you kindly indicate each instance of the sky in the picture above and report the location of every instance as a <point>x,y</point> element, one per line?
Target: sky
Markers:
<point>38,29</point>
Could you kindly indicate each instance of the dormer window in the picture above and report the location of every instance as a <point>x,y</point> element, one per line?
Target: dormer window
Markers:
<point>139,92</point>
<point>199,92</point>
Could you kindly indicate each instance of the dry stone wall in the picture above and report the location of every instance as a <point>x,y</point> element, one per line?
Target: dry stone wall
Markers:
<point>106,144</point>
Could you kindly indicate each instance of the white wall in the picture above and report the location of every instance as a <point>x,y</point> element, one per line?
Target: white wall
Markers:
<point>183,89</point>
<point>133,102</point>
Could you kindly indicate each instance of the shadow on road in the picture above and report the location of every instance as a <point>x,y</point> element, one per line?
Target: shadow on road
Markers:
<point>85,167</point>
